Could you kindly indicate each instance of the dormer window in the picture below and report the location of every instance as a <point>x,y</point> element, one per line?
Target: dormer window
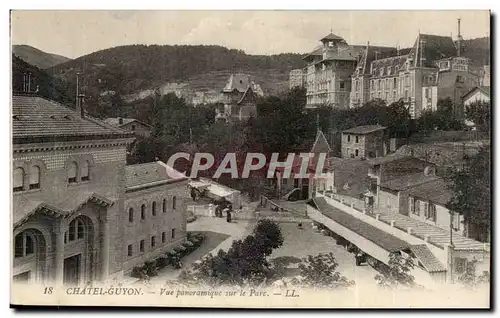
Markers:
<point>330,43</point>
<point>381,71</point>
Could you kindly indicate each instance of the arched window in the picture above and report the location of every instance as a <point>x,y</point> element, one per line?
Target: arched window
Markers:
<point>153,208</point>
<point>35,177</point>
<point>24,245</point>
<point>18,180</point>
<point>72,172</point>
<point>84,172</point>
<point>143,212</point>
<point>76,230</point>
<point>174,199</point>
<point>164,206</point>
<point>131,215</point>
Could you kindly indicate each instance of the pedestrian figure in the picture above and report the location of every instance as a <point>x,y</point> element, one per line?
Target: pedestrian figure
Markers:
<point>228,216</point>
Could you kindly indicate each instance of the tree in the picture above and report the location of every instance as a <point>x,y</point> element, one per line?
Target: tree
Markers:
<point>320,271</point>
<point>244,263</point>
<point>472,194</point>
<point>480,114</point>
<point>470,278</point>
<point>397,273</point>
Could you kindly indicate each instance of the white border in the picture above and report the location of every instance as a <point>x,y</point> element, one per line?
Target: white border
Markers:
<point>147,4</point>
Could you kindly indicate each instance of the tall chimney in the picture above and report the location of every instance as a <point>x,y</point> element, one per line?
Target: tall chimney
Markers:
<point>78,100</point>
<point>79,103</point>
<point>459,39</point>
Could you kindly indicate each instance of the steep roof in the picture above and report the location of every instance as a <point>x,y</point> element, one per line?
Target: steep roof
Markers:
<point>484,89</point>
<point>34,116</point>
<point>239,82</point>
<point>350,175</point>
<point>436,191</point>
<point>321,144</point>
<point>149,174</point>
<point>393,61</point>
<point>362,130</point>
<point>369,54</point>
<point>116,121</point>
<point>435,47</point>
<point>332,37</point>
<point>381,238</point>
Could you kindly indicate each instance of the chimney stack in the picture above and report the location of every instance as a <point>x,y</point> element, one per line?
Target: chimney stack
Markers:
<point>79,104</point>
<point>459,49</point>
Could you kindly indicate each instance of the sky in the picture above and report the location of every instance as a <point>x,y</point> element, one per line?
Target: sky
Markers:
<point>76,33</point>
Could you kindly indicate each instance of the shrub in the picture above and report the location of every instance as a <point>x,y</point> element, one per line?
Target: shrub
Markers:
<point>136,271</point>
<point>162,261</point>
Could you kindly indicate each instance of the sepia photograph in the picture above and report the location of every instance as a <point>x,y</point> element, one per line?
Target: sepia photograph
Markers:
<point>251,159</point>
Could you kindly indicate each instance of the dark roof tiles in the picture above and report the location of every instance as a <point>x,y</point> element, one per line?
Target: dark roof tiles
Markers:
<point>362,130</point>
<point>35,116</point>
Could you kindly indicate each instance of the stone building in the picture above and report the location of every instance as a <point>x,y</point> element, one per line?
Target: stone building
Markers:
<point>155,204</point>
<point>297,78</point>
<point>69,194</point>
<point>329,70</point>
<point>239,97</point>
<point>131,124</point>
<point>364,142</point>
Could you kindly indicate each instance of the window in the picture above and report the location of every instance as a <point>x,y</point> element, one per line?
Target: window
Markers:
<point>356,152</point>
<point>131,215</point>
<point>153,241</point>
<point>460,265</point>
<point>143,212</point>
<point>431,212</point>
<point>356,85</point>
<point>427,93</point>
<point>133,127</point>
<point>163,237</point>
<point>153,208</point>
<point>129,250</point>
<point>357,139</point>
<point>174,199</point>
<point>378,84</point>
<point>141,246</point>
<point>35,177</point>
<point>389,70</point>
<point>173,233</point>
<point>348,138</point>
<point>164,206</point>
<point>414,206</point>
<point>342,85</point>
<point>24,245</point>
<point>395,84</point>
<point>18,179</point>
<point>76,230</point>
<point>85,171</point>
<point>382,71</point>
<point>72,172</point>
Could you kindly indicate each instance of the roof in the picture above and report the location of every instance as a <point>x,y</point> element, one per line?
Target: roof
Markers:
<point>368,56</point>
<point>24,208</point>
<point>427,259</point>
<point>362,130</point>
<point>386,159</point>
<point>321,144</point>
<point>116,121</point>
<point>436,191</point>
<point>332,37</point>
<point>316,52</point>
<point>34,116</point>
<point>239,82</point>
<point>149,174</point>
<point>381,238</point>
<point>350,176</point>
<point>435,47</point>
<point>484,89</point>
<point>393,61</point>
<point>408,181</point>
